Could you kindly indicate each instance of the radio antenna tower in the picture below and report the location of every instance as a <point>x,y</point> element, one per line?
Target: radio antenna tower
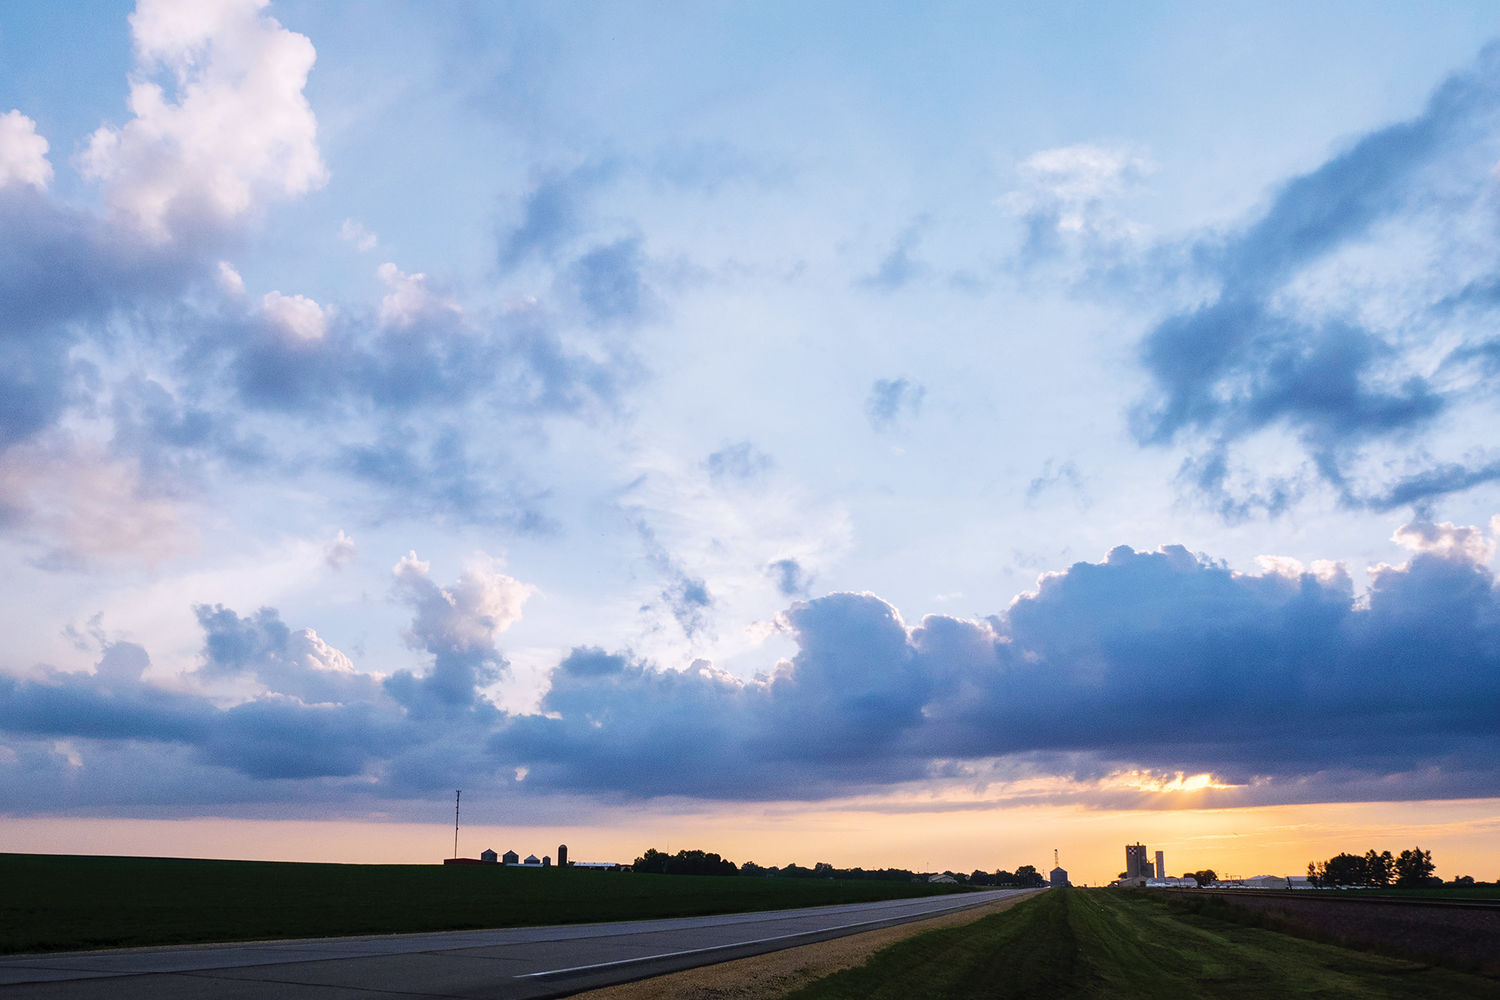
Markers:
<point>457,794</point>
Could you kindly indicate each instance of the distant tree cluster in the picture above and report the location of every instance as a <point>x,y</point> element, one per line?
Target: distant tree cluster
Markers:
<point>708,863</point>
<point>1409,869</point>
<point>684,863</point>
<point>1024,877</point>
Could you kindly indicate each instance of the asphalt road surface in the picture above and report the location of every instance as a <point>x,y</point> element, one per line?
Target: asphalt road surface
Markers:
<point>517,962</point>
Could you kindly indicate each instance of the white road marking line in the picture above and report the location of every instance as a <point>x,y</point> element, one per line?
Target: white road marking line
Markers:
<point>722,947</point>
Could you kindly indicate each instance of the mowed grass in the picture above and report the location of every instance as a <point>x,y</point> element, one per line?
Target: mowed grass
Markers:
<point>1123,945</point>
<point>59,902</point>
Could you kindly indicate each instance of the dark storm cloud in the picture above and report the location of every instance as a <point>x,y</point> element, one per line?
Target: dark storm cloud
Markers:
<point>1240,363</point>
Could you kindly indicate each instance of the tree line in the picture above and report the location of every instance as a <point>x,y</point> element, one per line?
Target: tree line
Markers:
<point>708,863</point>
<point>1406,870</point>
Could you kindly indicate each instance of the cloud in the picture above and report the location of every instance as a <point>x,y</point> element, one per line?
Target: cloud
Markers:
<point>554,213</point>
<point>410,299</point>
<point>1276,684</point>
<point>220,122</point>
<point>298,315</point>
<point>1102,683</point>
<point>1068,197</point>
<point>457,626</point>
<point>610,284</point>
<point>23,153</point>
<point>790,578</point>
<point>1320,323</point>
<point>899,267</point>
<point>1064,475</point>
<point>341,551</point>
<point>354,233</point>
<point>84,504</point>
<point>229,280</point>
<point>685,595</point>
<point>1447,540</point>
<point>294,664</point>
<point>893,399</point>
<point>740,461</point>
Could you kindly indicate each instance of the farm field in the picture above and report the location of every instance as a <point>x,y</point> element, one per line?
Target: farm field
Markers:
<point>1131,946</point>
<point>1457,893</point>
<point>62,902</point>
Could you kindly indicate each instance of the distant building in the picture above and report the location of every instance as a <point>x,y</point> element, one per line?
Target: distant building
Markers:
<point>489,857</point>
<point>1058,878</point>
<point>1161,865</point>
<point>562,855</point>
<point>943,879</point>
<point>1137,864</point>
<point>510,858</point>
<point>532,861</point>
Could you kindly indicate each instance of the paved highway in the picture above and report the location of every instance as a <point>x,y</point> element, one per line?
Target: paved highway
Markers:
<point>512,964</point>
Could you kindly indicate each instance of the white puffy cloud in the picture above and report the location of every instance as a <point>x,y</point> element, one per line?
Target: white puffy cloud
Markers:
<point>341,551</point>
<point>1447,540</point>
<point>352,231</point>
<point>409,298</point>
<point>23,153</point>
<point>1081,173</point>
<point>229,129</point>
<point>229,280</point>
<point>458,626</point>
<point>296,314</point>
<point>1072,192</point>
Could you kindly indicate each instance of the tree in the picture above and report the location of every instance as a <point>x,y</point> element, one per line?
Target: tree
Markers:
<point>1343,869</point>
<point>1205,877</point>
<point>1379,868</point>
<point>1413,867</point>
<point>1029,878</point>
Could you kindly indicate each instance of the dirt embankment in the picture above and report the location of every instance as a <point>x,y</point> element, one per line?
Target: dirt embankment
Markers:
<point>764,977</point>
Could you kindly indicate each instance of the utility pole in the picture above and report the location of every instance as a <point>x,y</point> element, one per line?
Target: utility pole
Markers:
<point>457,794</point>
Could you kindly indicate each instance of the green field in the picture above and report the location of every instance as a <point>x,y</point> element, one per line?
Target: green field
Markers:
<point>60,902</point>
<point>1123,945</point>
<point>1457,893</point>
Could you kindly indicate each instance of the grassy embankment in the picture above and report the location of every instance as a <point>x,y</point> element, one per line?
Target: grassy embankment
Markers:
<point>1130,946</point>
<point>58,902</point>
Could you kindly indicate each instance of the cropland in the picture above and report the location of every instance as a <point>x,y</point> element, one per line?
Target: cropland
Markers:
<point>1124,945</point>
<point>64,902</point>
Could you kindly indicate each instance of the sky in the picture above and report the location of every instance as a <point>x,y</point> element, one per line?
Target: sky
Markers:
<point>919,436</point>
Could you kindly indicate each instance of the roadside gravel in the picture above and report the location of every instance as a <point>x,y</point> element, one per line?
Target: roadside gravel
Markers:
<point>766,977</point>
